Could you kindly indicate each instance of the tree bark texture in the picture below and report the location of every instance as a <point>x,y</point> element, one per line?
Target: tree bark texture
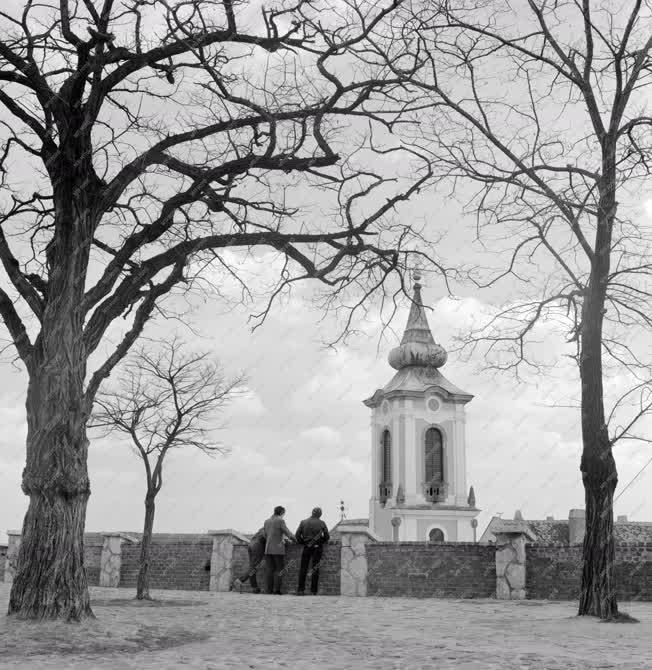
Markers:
<point>142,584</point>
<point>50,580</point>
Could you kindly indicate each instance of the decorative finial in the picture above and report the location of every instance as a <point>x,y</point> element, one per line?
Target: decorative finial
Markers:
<point>400,495</point>
<point>342,513</point>
<point>471,498</point>
<point>518,516</point>
<point>418,347</point>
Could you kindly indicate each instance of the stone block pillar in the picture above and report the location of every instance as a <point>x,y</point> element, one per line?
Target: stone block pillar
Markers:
<point>13,545</point>
<point>111,558</point>
<point>576,526</point>
<point>222,558</point>
<point>353,570</point>
<point>511,537</point>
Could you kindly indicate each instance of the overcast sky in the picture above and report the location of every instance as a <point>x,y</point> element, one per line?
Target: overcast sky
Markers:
<point>300,436</point>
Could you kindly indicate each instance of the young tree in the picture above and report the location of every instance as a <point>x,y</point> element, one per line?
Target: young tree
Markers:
<point>140,134</point>
<point>538,110</point>
<point>164,400</point>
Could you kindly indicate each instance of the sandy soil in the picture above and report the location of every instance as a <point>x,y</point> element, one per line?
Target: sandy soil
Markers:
<point>216,631</point>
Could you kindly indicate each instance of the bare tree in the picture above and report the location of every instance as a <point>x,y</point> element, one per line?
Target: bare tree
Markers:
<point>537,114</point>
<point>164,400</point>
<point>138,135</point>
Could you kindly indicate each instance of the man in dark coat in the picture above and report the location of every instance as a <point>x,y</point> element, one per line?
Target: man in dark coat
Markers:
<point>313,535</point>
<point>275,532</point>
<point>256,551</point>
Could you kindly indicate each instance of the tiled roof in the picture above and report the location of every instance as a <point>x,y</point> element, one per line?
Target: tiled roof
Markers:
<point>633,531</point>
<point>550,532</point>
<point>556,532</point>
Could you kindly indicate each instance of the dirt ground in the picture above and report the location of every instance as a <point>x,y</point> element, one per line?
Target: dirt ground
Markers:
<point>216,631</point>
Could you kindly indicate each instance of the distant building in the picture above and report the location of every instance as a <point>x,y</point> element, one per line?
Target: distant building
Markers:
<point>571,531</point>
<point>418,449</point>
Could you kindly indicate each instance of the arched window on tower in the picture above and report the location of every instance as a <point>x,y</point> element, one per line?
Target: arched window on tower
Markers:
<point>436,535</point>
<point>386,459</point>
<point>434,457</point>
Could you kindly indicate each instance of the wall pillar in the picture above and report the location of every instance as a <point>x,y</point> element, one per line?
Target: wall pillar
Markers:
<point>13,545</point>
<point>111,558</point>
<point>353,570</point>
<point>511,537</point>
<point>576,526</point>
<point>222,558</point>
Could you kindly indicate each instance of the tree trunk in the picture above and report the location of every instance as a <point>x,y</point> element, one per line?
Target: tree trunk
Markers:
<point>142,584</point>
<point>598,467</point>
<point>50,580</point>
<point>597,595</point>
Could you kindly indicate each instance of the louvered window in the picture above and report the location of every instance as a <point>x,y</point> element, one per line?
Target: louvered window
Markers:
<point>434,456</point>
<point>387,456</point>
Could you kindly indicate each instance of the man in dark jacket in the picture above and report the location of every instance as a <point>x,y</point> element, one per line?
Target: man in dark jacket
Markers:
<point>256,551</point>
<point>313,535</point>
<point>275,532</point>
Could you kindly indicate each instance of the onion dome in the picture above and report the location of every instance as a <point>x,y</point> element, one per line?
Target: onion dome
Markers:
<point>418,347</point>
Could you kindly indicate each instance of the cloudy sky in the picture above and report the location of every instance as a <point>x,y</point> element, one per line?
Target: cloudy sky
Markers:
<point>300,437</point>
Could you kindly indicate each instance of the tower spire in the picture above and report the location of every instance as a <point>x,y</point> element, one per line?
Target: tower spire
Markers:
<point>418,346</point>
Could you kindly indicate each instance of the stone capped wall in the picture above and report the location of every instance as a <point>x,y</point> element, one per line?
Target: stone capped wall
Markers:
<point>329,574</point>
<point>554,571</point>
<point>419,569</point>
<point>178,561</point>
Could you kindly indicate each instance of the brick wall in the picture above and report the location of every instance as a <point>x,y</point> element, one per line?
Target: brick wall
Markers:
<point>177,562</point>
<point>554,572</point>
<point>329,573</point>
<point>418,569</point>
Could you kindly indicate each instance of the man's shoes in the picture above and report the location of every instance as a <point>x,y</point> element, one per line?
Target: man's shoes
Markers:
<point>277,593</point>
<point>256,591</point>
<point>313,593</point>
<point>236,586</point>
<point>300,593</point>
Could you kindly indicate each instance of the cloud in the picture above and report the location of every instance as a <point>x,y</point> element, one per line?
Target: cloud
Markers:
<point>247,403</point>
<point>322,435</point>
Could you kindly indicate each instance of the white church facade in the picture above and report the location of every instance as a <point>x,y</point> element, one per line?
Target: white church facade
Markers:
<point>418,452</point>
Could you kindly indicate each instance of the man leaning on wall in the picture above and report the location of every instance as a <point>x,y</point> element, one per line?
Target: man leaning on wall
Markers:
<point>256,551</point>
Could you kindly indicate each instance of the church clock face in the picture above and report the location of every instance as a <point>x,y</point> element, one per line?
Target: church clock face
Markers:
<point>433,404</point>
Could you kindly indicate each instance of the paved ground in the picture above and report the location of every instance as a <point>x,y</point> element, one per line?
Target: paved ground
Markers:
<point>232,631</point>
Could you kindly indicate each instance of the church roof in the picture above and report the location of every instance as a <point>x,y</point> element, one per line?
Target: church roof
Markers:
<point>417,360</point>
<point>416,380</point>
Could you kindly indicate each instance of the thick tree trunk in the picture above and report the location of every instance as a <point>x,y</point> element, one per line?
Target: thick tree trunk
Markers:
<point>597,594</point>
<point>50,581</point>
<point>142,584</point>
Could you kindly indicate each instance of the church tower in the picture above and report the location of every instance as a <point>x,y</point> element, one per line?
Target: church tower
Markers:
<point>418,445</point>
